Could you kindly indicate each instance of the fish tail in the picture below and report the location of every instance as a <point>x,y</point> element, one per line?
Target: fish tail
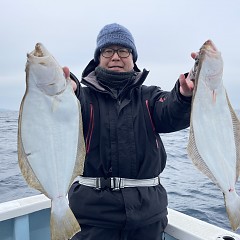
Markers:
<point>232,202</point>
<point>63,222</point>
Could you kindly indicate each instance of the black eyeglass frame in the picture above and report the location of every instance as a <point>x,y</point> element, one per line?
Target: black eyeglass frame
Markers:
<point>116,51</point>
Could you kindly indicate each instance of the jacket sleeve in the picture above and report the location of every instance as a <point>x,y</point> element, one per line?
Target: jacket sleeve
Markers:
<point>171,110</point>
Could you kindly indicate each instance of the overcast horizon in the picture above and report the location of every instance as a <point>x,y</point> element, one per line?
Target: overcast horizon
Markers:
<point>165,32</point>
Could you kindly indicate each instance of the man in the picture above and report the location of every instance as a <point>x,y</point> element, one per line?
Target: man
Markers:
<point>119,196</point>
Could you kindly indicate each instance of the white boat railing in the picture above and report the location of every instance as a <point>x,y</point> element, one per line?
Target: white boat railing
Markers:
<point>25,219</point>
<point>28,219</point>
<point>23,206</point>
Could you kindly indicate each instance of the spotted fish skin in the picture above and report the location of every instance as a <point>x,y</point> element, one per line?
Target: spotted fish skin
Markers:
<point>214,139</point>
<point>51,149</point>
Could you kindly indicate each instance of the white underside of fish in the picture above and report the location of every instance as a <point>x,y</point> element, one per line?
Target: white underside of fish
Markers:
<point>49,131</point>
<point>214,142</point>
<point>214,136</point>
<point>51,149</point>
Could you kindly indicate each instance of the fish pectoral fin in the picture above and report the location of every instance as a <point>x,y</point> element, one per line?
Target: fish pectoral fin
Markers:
<point>63,222</point>
<point>232,203</point>
<point>55,103</point>
<point>214,96</point>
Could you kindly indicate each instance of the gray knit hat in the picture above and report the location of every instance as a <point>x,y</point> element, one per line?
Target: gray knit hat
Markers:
<point>115,34</point>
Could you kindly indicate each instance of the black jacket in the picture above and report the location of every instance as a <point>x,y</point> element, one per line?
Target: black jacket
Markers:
<point>122,140</point>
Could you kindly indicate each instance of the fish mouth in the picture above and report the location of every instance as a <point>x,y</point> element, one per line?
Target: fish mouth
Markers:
<point>39,51</point>
<point>209,48</point>
<point>210,45</point>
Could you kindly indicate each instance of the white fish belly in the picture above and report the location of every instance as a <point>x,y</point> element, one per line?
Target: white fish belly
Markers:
<point>49,132</point>
<point>214,134</point>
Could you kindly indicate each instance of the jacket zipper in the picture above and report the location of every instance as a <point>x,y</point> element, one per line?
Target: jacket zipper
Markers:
<point>153,127</point>
<point>90,129</point>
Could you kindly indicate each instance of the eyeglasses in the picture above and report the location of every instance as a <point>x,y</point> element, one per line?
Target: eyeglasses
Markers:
<point>122,52</point>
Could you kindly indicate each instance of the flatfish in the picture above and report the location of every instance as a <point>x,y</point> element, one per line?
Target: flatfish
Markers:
<point>51,149</point>
<point>214,139</point>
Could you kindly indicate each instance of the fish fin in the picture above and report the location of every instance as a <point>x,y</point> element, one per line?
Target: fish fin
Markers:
<point>23,163</point>
<point>196,157</point>
<point>55,103</point>
<point>236,130</point>
<point>63,222</point>
<point>214,96</point>
<point>232,203</point>
<point>81,151</point>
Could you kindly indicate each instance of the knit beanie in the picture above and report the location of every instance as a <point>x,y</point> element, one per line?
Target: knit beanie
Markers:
<point>115,34</point>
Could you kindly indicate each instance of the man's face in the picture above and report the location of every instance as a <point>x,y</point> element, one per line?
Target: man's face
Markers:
<point>115,62</point>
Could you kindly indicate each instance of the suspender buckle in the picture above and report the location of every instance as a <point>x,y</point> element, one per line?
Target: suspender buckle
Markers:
<point>113,183</point>
<point>103,183</point>
<point>116,183</point>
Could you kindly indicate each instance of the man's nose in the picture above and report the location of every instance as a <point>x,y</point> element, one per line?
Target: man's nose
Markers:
<point>115,56</point>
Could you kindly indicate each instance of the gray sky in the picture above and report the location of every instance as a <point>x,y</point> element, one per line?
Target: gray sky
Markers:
<point>165,32</point>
